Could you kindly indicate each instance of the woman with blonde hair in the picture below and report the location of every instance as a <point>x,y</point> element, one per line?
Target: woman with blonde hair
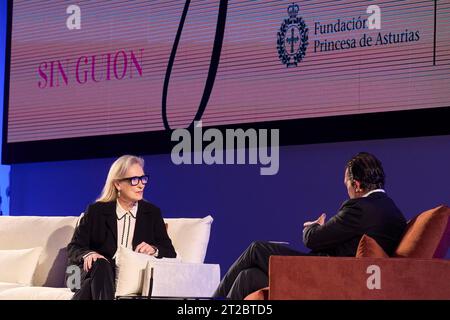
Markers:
<point>119,218</point>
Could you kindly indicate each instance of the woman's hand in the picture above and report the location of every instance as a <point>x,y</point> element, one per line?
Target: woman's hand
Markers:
<point>144,247</point>
<point>90,259</point>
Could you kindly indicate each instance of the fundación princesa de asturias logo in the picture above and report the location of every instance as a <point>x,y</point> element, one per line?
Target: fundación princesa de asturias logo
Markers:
<point>292,39</point>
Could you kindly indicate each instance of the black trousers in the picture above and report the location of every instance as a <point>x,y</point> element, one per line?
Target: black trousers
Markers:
<point>98,283</point>
<point>250,271</point>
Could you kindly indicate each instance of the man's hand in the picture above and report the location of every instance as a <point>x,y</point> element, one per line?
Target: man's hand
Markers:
<point>144,247</point>
<point>320,221</point>
<point>90,259</point>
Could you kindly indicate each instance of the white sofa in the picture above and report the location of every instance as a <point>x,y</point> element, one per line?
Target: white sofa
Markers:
<point>189,236</point>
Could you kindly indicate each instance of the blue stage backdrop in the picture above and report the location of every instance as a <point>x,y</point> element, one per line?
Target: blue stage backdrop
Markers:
<point>245,205</point>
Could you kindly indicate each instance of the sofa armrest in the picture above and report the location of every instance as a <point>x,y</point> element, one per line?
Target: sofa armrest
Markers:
<point>181,279</point>
<point>335,278</point>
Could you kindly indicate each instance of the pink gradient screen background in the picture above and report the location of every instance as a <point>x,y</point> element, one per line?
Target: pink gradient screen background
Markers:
<point>252,85</point>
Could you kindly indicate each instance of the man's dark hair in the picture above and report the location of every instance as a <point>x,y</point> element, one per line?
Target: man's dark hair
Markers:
<point>367,169</point>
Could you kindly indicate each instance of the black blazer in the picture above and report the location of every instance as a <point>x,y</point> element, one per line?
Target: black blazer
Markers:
<point>375,215</point>
<point>97,231</point>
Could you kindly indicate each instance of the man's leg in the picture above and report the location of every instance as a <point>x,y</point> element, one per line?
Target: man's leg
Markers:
<point>97,283</point>
<point>248,281</point>
<point>255,256</point>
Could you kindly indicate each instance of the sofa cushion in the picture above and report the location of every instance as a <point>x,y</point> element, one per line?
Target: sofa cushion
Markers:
<point>8,285</point>
<point>18,266</point>
<point>369,248</point>
<point>427,235</point>
<point>51,233</point>
<point>36,293</point>
<point>190,237</point>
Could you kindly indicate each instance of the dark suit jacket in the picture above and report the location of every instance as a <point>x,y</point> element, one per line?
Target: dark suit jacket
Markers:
<point>97,231</point>
<point>375,215</point>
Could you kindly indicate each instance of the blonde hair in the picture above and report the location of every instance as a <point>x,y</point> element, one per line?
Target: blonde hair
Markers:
<point>117,171</point>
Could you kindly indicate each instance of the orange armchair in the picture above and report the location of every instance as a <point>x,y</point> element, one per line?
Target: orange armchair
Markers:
<point>417,270</point>
<point>325,278</point>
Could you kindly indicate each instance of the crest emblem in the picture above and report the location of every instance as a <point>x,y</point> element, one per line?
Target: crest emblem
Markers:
<point>292,39</point>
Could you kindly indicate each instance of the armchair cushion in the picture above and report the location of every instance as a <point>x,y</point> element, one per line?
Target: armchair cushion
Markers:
<point>369,248</point>
<point>261,294</point>
<point>427,235</point>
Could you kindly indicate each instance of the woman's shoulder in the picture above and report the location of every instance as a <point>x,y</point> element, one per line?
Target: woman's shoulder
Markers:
<point>148,206</point>
<point>100,206</point>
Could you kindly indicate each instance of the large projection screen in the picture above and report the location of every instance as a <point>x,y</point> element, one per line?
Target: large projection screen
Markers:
<point>139,68</point>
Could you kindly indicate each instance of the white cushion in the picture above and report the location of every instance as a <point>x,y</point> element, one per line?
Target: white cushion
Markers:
<point>18,266</point>
<point>8,285</point>
<point>51,233</point>
<point>181,279</point>
<point>36,293</point>
<point>130,271</point>
<point>190,237</point>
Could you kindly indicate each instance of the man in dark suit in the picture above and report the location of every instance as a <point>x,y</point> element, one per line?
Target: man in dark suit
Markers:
<point>368,211</point>
<point>120,217</point>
